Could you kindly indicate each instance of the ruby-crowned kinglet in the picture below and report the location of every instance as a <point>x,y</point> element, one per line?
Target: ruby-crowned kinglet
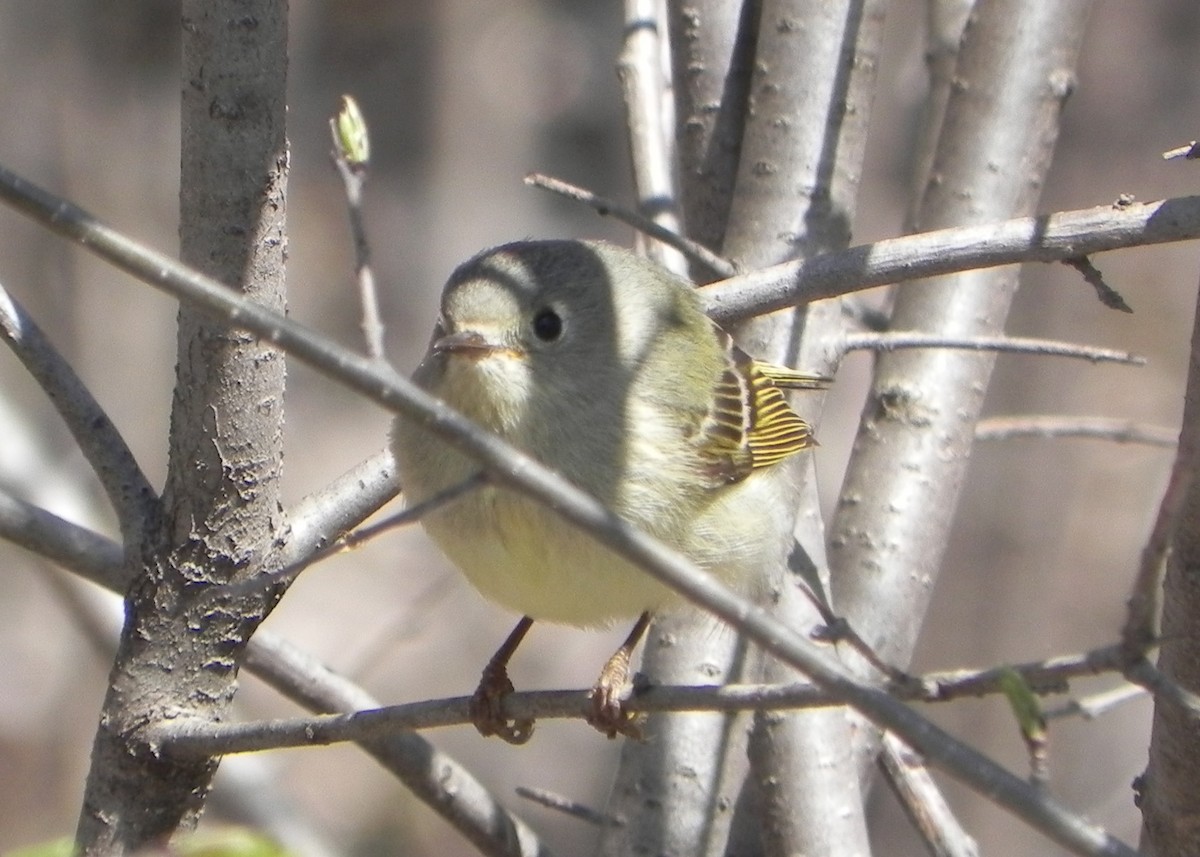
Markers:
<point>604,367</point>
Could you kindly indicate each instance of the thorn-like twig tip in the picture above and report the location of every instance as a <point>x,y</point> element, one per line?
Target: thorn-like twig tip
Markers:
<point>1109,296</point>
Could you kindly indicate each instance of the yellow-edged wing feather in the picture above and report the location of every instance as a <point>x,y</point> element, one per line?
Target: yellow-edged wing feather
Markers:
<point>751,424</point>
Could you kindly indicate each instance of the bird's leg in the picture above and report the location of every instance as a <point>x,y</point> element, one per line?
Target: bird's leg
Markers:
<point>487,703</point>
<point>608,709</point>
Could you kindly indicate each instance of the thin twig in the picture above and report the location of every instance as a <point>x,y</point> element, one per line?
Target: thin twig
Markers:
<point>287,575</point>
<point>565,805</point>
<point>1099,428</point>
<point>1190,152</point>
<point>415,513</point>
<point>1044,238</point>
<point>1145,674</point>
<point>346,502</point>
<point>204,738</point>
<point>642,72</point>
<point>516,471</point>
<point>1020,345</point>
<point>351,156</point>
<point>1097,704</point>
<point>1108,296</point>
<point>1046,676</point>
<point>133,498</point>
<point>696,252</point>
<point>922,801</point>
<point>78,549</point>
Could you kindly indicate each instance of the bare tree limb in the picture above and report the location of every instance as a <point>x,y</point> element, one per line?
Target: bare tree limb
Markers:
<point>195,738</point>
<point>699,254</point>
<point>1044,238</point>
<point>220,500</point>
<point>284,577</point>
<point>1097,704</point>
<point>87,553</point>
<point>1189,152</point>
<point>798,175</point>
<point>1145,600</point>
<point>889,534</point>
<point>550,800</point>
<point>893,341</point>
<point>442,783</point>
<point>319,518</point>
<point>712,63</point>
<point>351,156</point>
<point>1165,591</point>
<point>944,23</point>
<point>641,68</point>
<point>1165,689</point>
<point>1092,276</point>
<point>1101,428</point>
<point>133,498</point>
<point>923,802</point>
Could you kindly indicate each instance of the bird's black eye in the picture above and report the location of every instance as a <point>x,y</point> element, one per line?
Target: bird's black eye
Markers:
<point>547,325</point>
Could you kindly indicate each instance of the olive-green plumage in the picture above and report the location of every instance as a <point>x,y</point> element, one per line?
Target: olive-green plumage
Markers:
<point>605,368</point>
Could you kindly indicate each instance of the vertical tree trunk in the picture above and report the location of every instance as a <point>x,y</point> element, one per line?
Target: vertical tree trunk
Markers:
<point>179,650</point>
<point>801,159</point>
<point>1168,790</point>
<point>770,143</point>
<point>900,493</point>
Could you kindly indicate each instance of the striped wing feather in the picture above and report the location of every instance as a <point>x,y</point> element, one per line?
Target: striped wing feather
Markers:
<point>751,424</point>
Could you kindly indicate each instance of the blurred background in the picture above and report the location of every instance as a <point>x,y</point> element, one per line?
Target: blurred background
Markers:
<point>464,98</point>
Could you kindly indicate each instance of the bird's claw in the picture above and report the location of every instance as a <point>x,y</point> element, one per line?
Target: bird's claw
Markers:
<point>610,716</point>
<point>487,708</point>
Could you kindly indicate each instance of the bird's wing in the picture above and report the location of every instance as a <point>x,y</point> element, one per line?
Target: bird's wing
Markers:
<point>750,424</point>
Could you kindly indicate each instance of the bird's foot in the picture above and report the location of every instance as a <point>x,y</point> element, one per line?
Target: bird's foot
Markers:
<point>608,713</point>
<point>487,707</point>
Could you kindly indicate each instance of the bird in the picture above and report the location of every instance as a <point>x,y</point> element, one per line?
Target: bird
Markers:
<point>604,367</point>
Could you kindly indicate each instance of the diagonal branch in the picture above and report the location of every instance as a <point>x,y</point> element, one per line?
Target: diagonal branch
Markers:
<point>319,518</point>
<point>133,498</point>
<point>442,783</point>
<point>697,253</point>
<point>1043,238</point>
<point>83,551</point>
<point>923,802</point>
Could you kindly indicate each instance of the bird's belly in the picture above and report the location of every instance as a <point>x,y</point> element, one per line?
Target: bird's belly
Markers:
<point>523,556</point>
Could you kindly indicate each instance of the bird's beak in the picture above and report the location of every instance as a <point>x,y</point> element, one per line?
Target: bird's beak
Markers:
<point>468,343</point>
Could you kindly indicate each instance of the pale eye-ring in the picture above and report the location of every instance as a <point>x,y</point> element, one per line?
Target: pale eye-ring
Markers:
<point>547,325</point>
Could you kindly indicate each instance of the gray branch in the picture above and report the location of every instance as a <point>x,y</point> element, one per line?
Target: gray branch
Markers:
<point>1044,238</point>
<point>1100,428</point>
<point>133,498</point>
<point>897,340</point>
<point>83,551</point>
<point>321,517</point>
